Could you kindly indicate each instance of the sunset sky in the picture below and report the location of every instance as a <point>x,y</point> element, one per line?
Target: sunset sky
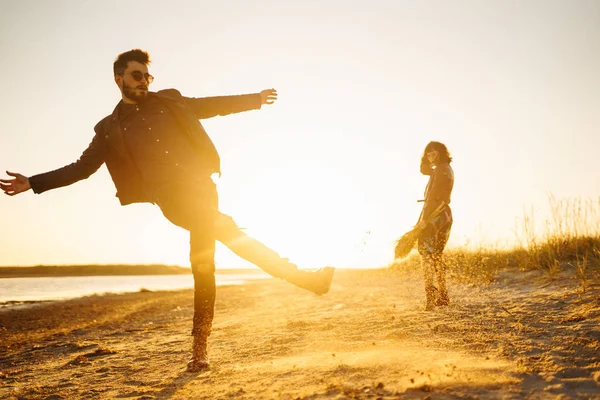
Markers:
<point>329,174</point>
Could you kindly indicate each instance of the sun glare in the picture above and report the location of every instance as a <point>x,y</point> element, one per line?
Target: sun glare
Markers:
<point>305,212</point>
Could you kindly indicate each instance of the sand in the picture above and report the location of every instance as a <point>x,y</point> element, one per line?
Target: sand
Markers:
<point>523,336</point>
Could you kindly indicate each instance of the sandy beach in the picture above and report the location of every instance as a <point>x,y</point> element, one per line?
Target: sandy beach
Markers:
<point>522,336</point>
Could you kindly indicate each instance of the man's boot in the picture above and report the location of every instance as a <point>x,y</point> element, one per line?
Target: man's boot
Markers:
<point>317,282</point>
<point>204,309</point>
<point>199,360</point>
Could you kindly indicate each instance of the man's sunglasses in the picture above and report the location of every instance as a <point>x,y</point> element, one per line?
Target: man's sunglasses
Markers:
<point>139,76</point>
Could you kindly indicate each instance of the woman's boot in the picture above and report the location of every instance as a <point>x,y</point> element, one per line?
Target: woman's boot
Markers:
<point>430,290</point>
<point>443,299</point>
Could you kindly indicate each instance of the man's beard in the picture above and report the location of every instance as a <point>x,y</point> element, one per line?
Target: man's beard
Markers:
<point>130,93</point>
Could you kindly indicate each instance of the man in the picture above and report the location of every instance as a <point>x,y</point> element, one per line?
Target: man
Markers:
<point>157,151</point>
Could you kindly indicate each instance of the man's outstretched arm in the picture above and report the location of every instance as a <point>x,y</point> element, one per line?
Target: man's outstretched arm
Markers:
<point>89,162</point>
<point>208,107</point>
<point>18,184</point>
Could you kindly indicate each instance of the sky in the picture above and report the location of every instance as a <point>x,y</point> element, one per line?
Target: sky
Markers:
<point>329,174</point>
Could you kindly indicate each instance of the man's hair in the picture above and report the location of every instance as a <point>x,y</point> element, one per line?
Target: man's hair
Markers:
<point>120,64</point>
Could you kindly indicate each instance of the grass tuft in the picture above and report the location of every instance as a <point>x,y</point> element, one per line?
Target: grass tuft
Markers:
<point>570,238</point>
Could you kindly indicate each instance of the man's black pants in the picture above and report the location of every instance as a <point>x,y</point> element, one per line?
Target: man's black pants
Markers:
<point>195,207</point>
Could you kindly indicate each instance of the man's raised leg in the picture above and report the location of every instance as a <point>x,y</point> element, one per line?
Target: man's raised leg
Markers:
<point>250,249</point>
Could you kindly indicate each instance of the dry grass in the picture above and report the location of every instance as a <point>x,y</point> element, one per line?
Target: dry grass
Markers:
<point>570,238</point>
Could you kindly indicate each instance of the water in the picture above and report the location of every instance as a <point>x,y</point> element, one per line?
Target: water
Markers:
<point>20,290</point>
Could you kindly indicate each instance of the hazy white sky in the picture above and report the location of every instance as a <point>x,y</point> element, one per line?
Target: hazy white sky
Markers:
<point>330,173</point>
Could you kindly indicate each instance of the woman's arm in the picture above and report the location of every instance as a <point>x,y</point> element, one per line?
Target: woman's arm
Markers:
<point>426,168</point>
<point>440,190</point>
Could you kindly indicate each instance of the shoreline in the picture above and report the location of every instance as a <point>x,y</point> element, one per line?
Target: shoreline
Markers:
<point>239,277</point>
<point>15,304</point>
<point>107,270</point>
<point>519,337</point>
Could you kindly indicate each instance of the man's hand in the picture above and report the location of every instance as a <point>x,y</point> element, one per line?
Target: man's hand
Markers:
<point>268,96</point>
<point>14,186</point>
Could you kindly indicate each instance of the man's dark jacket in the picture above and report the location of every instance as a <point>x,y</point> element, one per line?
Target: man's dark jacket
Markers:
<point>109,147</point>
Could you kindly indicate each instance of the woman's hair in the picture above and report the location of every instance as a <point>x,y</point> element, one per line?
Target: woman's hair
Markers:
<point>443,156</point>
<point>443,153</point>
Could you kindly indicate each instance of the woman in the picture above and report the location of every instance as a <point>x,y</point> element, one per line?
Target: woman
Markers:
<point>435,163</point>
